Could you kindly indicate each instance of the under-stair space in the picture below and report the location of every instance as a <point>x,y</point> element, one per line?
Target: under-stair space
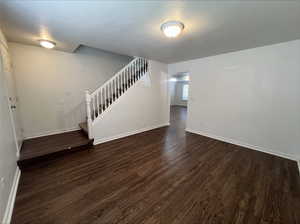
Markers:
<point>44,148</point>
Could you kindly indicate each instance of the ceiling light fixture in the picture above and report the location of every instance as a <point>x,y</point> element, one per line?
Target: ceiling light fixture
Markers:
<point>47,44</point>
<point>172,28</point>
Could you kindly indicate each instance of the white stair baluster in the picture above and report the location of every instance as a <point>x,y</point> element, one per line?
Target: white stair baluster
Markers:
<point>131,71</point>
<point>124,80</point>
<point>100,102</point>
<point>109,90</point>
<point>112,90</point>
<point>135,70</point>
<point>128,74</point>
<point>116,88</point>
<point>139,68</point>
<point>119,86</point>
<point>105,96</point>
<point>102,98</point>
<point>94,109</point>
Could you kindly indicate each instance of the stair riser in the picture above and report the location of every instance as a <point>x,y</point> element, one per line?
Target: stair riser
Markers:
<point>24,164</point>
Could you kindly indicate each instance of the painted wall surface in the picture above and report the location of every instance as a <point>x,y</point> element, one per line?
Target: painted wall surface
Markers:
<point>51,85</point>
<point>176,93</point>
<point>143,106</point>
<point>250,97</point>
<point>171,86</point>
<point>8,149</point>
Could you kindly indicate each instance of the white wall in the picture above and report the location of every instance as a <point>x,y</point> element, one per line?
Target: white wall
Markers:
<point>249,97</point>
<point>176,93</point>
<point>51,85</point>
<point>172,90</point>
<point>8,147</point>
<point>144,106</point>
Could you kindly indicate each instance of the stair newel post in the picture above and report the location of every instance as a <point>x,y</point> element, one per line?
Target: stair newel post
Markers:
<point>88,111</point>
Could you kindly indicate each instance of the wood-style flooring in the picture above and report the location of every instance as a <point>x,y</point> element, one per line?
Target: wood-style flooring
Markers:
<point>161,176</point>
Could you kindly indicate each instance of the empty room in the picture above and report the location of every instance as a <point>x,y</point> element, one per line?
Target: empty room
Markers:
<point>154,112</point>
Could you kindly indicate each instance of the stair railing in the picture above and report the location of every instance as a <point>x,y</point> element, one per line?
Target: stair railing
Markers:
<point>98,101</point>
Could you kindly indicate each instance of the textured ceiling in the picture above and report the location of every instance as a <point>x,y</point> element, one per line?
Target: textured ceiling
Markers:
<point>133,27</point>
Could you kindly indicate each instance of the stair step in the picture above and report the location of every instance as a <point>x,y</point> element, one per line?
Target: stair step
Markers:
<point>47,147</point>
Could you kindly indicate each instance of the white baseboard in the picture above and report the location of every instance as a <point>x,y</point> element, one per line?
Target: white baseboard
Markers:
<point>246,145</point>
<point>46,133</point>
<point>122,135</point>
<point>12,198</point>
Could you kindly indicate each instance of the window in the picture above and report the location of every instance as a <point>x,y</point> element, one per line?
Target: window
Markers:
<point>185,92</point>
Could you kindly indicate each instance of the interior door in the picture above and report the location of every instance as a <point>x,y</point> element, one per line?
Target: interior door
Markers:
<point>12,97</point>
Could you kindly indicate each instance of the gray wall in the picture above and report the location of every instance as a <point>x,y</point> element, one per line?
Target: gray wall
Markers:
<point>249,97</point>
<point>51,85</point>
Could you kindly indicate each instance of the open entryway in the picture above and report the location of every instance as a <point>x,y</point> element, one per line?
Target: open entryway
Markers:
<point>179,96</point>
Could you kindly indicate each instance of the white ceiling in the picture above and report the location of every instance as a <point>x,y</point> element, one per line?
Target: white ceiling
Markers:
<point>133,27</point>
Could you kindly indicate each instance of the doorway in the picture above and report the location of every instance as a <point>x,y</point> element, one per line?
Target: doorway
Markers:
<point>11,97</point>
<point>179,96</point>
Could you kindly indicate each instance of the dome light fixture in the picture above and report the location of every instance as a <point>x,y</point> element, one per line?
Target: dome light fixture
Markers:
<point>47,44</point>
<point>172,28</point>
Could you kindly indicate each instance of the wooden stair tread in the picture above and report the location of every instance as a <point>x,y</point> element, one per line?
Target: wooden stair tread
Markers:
<point>42,147</point>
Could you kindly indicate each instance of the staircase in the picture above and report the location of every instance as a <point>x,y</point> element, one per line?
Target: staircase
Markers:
<point>102,98</point>
<point>48,147</point>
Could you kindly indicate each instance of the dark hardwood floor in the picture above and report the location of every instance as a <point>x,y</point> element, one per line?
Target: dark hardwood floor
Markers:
<point>161,176</point>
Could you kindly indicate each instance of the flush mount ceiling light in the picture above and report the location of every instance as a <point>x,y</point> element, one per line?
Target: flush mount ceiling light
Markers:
<point>172,28</point>
<point>47,44</point>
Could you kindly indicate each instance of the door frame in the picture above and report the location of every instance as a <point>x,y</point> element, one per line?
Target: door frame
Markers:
<point>12,121</point>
